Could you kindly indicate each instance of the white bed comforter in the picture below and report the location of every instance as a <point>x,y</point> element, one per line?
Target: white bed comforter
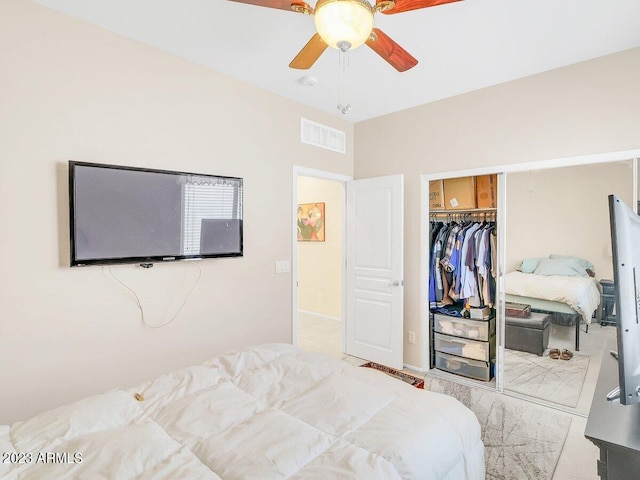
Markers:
<point>580,293</point>
<point>271,412</point>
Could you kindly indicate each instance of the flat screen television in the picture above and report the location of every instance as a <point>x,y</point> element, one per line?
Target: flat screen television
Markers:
<point>625,242</point>
<point>139,215</point>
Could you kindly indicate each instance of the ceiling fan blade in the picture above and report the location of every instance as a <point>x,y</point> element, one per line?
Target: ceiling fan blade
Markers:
<point>406,5</point>
<point>280,4</point>
<point>393,53</point>
<point>309,53</point>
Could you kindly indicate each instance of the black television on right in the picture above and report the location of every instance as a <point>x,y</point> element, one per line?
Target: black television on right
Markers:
<point>625,242</point>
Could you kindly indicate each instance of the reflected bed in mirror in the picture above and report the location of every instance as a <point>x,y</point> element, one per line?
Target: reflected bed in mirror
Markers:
<point>569,300</point>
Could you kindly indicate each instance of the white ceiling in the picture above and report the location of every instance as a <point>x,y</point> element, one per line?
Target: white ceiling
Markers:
<point>460,47</point>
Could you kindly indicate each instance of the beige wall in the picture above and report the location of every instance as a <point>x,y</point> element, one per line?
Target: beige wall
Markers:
<point>70,90</point>
<point>320,263</point>
<point>587,108</point>
<point>565,211</point>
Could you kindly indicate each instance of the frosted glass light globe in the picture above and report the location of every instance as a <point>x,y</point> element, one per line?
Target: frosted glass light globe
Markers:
<point>344,24</point>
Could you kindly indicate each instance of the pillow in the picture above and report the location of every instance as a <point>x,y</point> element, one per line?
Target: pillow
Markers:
<point>568,267</point>
<point>583,262</point>
<point>528,265</point>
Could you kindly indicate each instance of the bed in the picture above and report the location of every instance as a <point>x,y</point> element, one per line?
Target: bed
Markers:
<point>268,412</point>
<point>570,295</point>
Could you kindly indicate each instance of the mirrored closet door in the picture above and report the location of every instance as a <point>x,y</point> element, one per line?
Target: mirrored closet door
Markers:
<point>558,260</point>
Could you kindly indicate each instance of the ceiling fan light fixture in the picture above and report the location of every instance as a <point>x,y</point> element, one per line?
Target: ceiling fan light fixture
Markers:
<point>344,24</point>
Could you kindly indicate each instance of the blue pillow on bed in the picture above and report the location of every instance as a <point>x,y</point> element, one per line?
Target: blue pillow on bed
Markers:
<point>529,265</point>
<point>582,261</point>
<point>568,267</point>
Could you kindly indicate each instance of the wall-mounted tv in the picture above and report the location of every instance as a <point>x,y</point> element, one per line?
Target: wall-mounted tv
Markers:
<point>139,215</point>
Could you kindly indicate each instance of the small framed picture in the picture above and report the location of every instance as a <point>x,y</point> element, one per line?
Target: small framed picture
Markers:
<point>311,222</point>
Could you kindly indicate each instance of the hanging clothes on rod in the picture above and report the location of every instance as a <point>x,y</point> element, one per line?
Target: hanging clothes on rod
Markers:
<point>463,256</point>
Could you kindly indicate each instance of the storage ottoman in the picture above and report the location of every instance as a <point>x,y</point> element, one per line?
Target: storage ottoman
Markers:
<point>529,334</point>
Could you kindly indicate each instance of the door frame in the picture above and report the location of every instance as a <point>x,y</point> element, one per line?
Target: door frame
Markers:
<point>337,177</point>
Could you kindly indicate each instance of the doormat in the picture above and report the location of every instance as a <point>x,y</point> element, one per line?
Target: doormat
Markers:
<point>405,377</point>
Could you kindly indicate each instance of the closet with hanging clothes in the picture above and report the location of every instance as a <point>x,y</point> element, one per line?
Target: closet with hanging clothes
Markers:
<point>463,269</point>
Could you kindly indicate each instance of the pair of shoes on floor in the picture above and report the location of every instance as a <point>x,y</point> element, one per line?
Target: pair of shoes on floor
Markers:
<point>565,354</point>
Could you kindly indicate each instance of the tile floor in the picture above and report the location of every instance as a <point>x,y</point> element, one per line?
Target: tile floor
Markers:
<point>579,455</point>
<point>318,334</point>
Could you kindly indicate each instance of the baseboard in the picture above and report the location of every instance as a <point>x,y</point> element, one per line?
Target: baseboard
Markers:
<point>415,369</point>
<point>321,315</point>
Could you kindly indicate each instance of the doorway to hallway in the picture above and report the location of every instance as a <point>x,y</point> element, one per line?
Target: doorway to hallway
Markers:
<point>320,260</point>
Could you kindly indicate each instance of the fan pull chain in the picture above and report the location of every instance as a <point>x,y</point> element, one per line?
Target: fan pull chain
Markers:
<point>343,64</point>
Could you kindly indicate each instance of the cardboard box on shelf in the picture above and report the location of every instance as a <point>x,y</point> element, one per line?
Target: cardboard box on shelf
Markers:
<point>487,191</point>
<point>460,193</point>
<point>436,195</point>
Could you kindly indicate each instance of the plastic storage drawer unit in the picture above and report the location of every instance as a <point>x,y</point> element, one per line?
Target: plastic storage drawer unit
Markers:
<point>464,327</point>
<point>463,347</point>
<point>464,366</point>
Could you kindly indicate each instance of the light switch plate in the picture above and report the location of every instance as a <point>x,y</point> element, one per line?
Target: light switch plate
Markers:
<point>283,266</point>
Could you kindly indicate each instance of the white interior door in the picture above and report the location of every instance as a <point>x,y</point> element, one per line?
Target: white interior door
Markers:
<point>374,326</point>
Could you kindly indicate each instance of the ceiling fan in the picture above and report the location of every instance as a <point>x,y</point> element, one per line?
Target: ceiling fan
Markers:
<point>347,24</point>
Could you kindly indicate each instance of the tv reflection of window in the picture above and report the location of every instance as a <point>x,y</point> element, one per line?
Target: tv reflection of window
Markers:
<point>206,203</point>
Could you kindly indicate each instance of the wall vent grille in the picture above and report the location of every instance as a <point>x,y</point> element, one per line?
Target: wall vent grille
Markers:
<point>322,136</point>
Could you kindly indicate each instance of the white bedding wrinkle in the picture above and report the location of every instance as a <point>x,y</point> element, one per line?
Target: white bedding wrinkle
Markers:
<point>268,412</point>
<point>207,414</point>
<point>98,413</point>
<point>176,385</point>
<point>343,460</point>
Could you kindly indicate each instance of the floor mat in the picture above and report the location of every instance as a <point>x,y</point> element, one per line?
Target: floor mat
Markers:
<point>521,440</point>
<point>558,381</point>
<point>405,377</point>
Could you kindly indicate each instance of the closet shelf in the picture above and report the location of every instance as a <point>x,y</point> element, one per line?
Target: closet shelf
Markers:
<point>470,210</point>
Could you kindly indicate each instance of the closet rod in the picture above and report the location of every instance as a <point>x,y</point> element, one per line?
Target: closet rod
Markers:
<point>462,214</point>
